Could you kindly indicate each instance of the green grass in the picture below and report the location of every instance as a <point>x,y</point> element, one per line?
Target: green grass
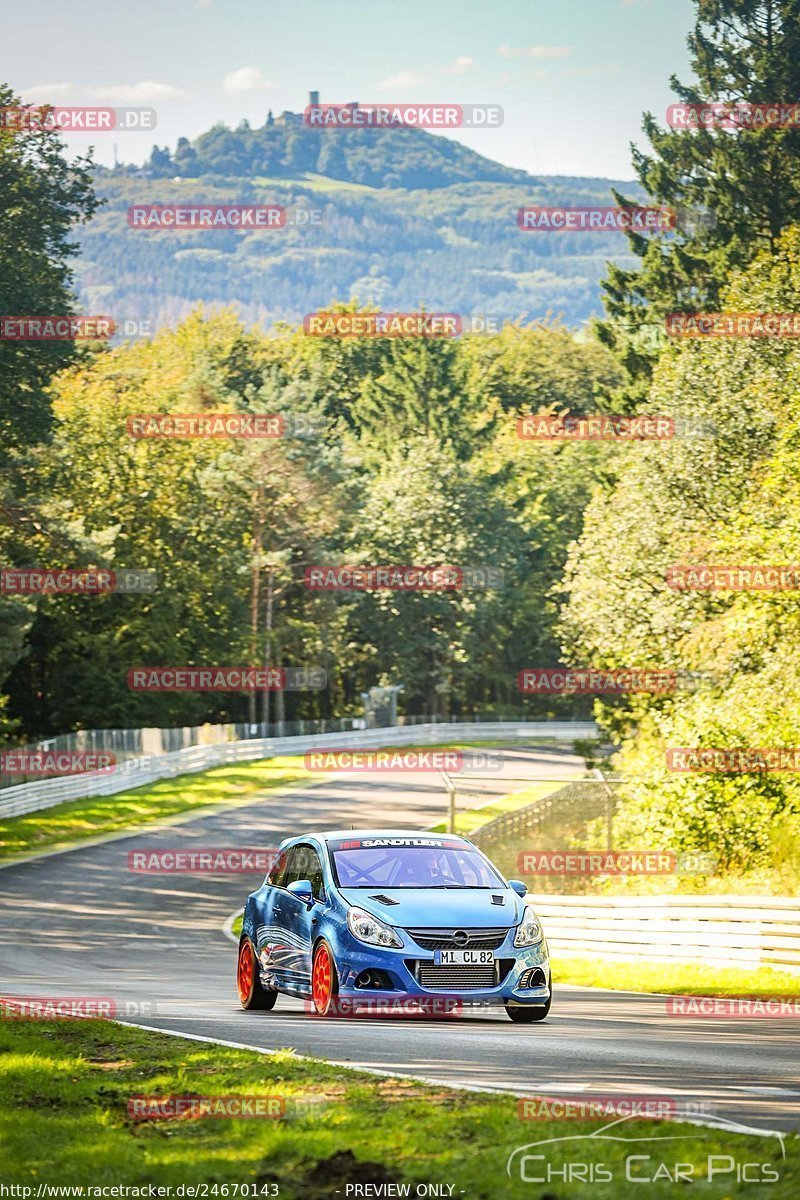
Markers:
<point>314,182</point>
<point>469,820</point>
<point>65,1086</point>
<point>680,978</point>
<point>80,819</point>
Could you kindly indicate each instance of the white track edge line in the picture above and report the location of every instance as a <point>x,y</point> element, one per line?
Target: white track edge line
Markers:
<point>733,1127</point>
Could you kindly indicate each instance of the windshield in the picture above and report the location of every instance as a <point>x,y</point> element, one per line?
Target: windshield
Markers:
<point>407,866</point>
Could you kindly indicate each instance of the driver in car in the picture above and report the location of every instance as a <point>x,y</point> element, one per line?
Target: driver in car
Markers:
<point>428,872</point>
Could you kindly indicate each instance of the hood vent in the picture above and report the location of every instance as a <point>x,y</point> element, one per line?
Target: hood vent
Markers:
<point>498,899</point>
<point>384,899</point>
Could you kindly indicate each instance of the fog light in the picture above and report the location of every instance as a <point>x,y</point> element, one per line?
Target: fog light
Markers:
<point>376,980</point>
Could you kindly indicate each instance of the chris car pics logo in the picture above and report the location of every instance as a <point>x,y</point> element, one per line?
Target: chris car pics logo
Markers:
<point>613,1154</point>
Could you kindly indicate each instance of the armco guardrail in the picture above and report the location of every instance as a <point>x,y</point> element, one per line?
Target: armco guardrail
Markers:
<point>741,931</point>
<point>135,772</point>
<point>140,742</point>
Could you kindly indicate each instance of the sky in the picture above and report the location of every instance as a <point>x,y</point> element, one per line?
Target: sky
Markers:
<point>573,76</point>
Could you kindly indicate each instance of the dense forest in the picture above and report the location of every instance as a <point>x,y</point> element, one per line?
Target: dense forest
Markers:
<point>406,451</point>
<point>456,248</point>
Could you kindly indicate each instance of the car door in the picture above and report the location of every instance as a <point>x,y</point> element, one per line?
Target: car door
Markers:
<point>275,952</point>
<point>298,919</point>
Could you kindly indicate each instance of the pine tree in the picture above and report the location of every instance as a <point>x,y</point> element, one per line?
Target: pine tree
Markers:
<point>744,182</point>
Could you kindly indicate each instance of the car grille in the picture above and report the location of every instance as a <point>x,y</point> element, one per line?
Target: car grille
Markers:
<point>456,978</point>
<point>442,939</point>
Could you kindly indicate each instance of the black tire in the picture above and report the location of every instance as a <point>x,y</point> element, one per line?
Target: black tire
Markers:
<point>255,995</point>
<point>526,1014</point>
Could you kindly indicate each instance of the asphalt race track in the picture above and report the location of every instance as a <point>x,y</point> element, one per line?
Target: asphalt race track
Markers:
<point>79,923</point>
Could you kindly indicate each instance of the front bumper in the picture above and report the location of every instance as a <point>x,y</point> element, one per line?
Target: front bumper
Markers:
<point>400,967</point>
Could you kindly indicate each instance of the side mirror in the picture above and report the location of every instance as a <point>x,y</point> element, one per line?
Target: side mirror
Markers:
<point>302,889</point>
<point>518,886</point>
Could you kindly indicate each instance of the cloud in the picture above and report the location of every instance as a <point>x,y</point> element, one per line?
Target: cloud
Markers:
<point>246,79</point>
<point>410,79</point>
<point>40,93</point>
<point>535,52</point>
<point>138,93</point>
<point>403,79</point>
<point>462,64</point>
<point>144,92</point>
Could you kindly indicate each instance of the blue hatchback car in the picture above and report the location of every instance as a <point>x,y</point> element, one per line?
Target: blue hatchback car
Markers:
<point>347,917</point>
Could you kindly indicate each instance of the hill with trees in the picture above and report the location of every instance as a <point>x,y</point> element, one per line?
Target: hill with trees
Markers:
<point>405,219</point>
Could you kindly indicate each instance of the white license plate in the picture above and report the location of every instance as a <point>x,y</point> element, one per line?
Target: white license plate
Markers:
<point>463,958</point>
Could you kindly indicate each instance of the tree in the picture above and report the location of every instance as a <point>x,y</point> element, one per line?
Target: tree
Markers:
<point>42,199</point>
<point>185,157</point>
<point>747,178</point>
<point>424,508</point>
<point>729,496</point>
<point>209,516</point>
<point>160,162</point>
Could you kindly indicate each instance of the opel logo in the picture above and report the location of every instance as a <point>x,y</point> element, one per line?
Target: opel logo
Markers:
<point>460,938</point>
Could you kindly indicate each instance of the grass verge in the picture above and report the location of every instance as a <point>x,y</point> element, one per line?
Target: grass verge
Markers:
<point>471,820</point>
<point>676,979</point>
<point>77,820</point>
<point>64,1120</point>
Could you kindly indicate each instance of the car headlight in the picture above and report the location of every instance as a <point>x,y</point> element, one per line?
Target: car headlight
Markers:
<point>529,931</point>
<point>369,929</point>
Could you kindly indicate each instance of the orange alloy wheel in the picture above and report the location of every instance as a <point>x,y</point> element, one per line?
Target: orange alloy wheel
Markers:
<point>322,979</point>
<point>245,972</point>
